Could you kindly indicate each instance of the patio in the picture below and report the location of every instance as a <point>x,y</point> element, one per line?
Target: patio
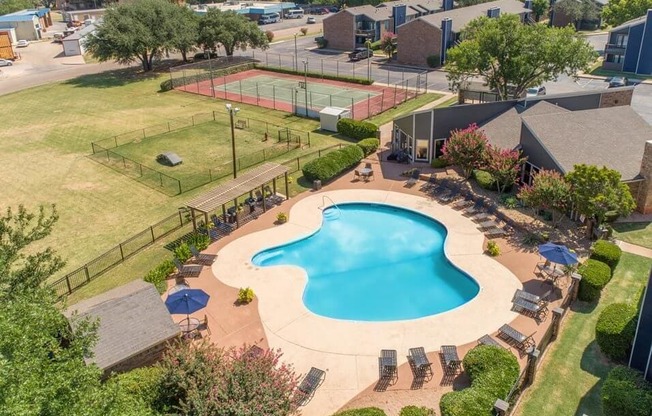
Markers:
<point>352,377</point>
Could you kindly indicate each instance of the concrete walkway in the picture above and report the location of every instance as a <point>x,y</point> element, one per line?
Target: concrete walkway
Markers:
<point>634,249</point>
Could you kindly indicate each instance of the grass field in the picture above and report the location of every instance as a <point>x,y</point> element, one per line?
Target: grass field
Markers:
<point>639,233</point>
<point>574,369</point>
<point>405,108</point>
<point>45,142</point>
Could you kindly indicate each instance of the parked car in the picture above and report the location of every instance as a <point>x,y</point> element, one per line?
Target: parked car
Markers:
<point>5,62</point>
<point>618,82</point>
<point>360,53</point>
<point>22,43</point>
<point>534,91</point>
<point>311,20</point>
<point>333,9</point>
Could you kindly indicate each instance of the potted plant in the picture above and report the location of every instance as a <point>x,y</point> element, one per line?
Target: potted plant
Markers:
<point>281,217</point>
<point>245,295</point>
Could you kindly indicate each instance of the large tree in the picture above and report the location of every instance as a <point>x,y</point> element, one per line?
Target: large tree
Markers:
<point>231,30</point>
<point>578,10</point>
<point>539,8</point>
<point>617,12</point>
<point>466,148</point>
<point>186,29</point>
<point>511,56</point>
<point>136,31</point>
<point>503,165</point>
<point>550,191</point>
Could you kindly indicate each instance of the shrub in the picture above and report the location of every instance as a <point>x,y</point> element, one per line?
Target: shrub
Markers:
<point>166,85</point>
<point>509,201</point>
<point>433,61</point>
<point>439,163</point>
<point>182,252</point>
<point>367,411</point>
<point>304,31</point>
<point>615,330</point>
<point>493,371</point>
<point>606,252</point>
<point>625,392</point>
<point>332,164</point>
<point>282,217</point>
<point>375,46</point>
<point>322,42</point>
<point>369,146</point>
<point>158,275</point>
<point>492,249</point>
<point>141,384</point>
<point>595,276</point>
<point>270,35</point>
<point>245,295</point>
<point>416,411</point>
<point>200,241</point>
<point>311,74</point>
<point>484,179</point>
<point>356,129</point>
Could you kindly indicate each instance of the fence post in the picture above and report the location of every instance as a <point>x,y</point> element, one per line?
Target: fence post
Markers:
<point>151,230</point>
<point>322,68</point>
<point>388,77</point>
<point>308,139</point>
<point>88,275</point>
<point>352,109</point>
<point>531,366</point>
<point>382,101</point>
<point>353,70</point>
<point>266,59</point>
<point>140,166</point>
<point>368,105</point>
<point>501,407</point>
<point>426,87</point>
<point>257,96</point>
<point>68,284</point>
<point>213,116</point>
<point>108,159</point>
<point>337,68</point>
<point>557,314</point>
<point>124,163</point>
<point>168,126</point>
<point>274,96</point>
<point>395,86</point>
<point>160,179</point>
<point>179,183</point>
<point>122,254</point>
<point>298,164</point>
<point>115,139</point>
<point>575,282</point>
<point>180,219</point>
<point>144,137</point>
<point>193,120</point>
<point>240,84</point>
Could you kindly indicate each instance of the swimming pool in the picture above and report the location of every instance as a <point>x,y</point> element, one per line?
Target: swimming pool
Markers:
<point>375,262</point>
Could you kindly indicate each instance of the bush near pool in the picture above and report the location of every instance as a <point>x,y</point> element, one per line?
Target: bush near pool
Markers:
<point>366,411</point>
<point>606,252</point>
<point>416,411</point>
<point>615,330</point>
<point>159,274</point>
<point>369,146</point>
<point>356,129</point>
<point>595,276</point>
<point>493,371</point>
<point>626,393</point>
<point>332,164</point>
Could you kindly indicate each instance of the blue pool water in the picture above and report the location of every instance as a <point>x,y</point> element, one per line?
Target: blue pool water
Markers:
<point>372,262</point>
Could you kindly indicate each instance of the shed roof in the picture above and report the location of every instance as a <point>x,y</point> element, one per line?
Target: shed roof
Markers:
<point>615,136</point>
<point>248,181</point>
<point>334,111</point>
<point>17,18</point>
<point>132,318</point>
<point>462,16</point>
<point>81,33</point>
<point>504,130</point>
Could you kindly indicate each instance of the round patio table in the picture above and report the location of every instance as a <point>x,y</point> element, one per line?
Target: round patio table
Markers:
<point>188,325</point>
<point>178,287</point>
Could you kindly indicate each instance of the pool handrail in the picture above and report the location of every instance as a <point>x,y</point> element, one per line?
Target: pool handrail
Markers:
<point>323,203</point>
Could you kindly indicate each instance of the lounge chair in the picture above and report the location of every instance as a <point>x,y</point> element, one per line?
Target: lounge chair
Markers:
<point>221,225</point>
<point>388,364</point>
<point>462,203</point>
<point>309,386</point>
<point>450,196</point>
<point>186,270</point>
<point>452,361</point>
<point>419,360</point>
<point>275,198</point>
<point>475,209</point>
<point>202,258</point>
<point>488,224</point>
<point>531,297</point>
<point>512,336</point>
<point>536,310</point>
<point>414,178</point>
<point>488,340</point>
<point>496,232</point>
<point>480,217</point>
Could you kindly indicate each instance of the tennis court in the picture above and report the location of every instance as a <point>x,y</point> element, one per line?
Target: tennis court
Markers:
<point>291,93</point>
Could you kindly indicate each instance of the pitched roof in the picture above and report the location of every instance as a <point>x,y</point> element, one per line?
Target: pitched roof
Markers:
<point>504,130</point>
<point>630,23</point>
<point>132,318</point>
<point>462,16</point>
<point>615,136</point>
<point>384,10</point>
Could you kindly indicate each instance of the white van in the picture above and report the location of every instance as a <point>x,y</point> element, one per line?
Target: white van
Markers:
<point>269,18</point>
<point>294,14</point>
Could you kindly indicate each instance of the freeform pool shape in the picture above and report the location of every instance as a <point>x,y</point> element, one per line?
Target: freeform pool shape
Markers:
<point>375,262</point>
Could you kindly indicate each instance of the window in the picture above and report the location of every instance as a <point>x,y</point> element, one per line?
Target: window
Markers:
<point>422,149</point>
<point>439,148</point>
<point>529,170</point>
<point>617,59</point>
<point>621,40</point>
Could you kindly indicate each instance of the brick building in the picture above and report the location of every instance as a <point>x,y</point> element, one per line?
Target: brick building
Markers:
<point>554,132</point>
<point>352,27</point>
<point>439,31</point>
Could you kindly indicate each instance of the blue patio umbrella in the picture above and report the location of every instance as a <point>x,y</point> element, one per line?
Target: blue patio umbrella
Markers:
<point>557,253</point>
<point>187,301</point>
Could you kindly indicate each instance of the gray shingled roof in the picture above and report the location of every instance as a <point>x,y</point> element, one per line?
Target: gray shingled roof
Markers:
<point>384,10</point>
<point>629,23</point>
<point>614,137</point>
<point>132,318</point>
<point>462,16</point>
<point>504,130</point>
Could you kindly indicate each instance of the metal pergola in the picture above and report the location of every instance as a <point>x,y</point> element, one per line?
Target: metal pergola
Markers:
<point>229,192</point>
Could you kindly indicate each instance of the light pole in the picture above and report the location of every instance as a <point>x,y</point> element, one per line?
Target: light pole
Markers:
<point>305,82</point>
<point>232,110</point>
<point>295,53</point>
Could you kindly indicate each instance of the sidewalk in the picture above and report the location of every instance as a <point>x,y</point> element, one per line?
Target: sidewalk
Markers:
<point>634,249</point>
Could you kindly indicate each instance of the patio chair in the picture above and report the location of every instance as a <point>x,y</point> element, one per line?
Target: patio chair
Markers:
<point>203,325</point>
<point>414,178</point>
<point>452,362</point>
<point>536,310</point>
<point>309,386</point>
<point>369,175</point>
<point>488,340</point>
<point>367,165</point>
<point>273,196</point>
<point>202,258</point>
<point>419,360</point>
<point>186,270</point>
<point>541,266</point>
<point>221,225</point>
<point>357,175</point>
<point>512,336</point>
<point>388,364</point>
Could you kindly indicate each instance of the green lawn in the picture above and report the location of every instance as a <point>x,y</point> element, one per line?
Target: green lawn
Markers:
<point>639,233</point>
<point>404,108</point>
<point>45,143</point>
<point>448,103</point>
<point>573,370</point>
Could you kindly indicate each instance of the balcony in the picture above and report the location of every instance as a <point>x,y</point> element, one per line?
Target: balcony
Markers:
<point>615,48</point>
<point>365,32</point>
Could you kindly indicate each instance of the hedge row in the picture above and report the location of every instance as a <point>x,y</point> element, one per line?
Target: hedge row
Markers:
<point>159,274</point>
<point>606,252</point>
<point>204,76</point>
<point>625,392</point>
<point>493,371</point>
<point>595,276</point>
<point>615,330</point>
<point>356,129</point>
<point>416,411</point>
<point>310,74</point>
<point>366,411</point>
<point>329,166</point>
<point>369,146</point>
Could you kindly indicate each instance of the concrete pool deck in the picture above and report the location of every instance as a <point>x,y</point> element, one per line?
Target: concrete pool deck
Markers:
<point>348,350</point>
